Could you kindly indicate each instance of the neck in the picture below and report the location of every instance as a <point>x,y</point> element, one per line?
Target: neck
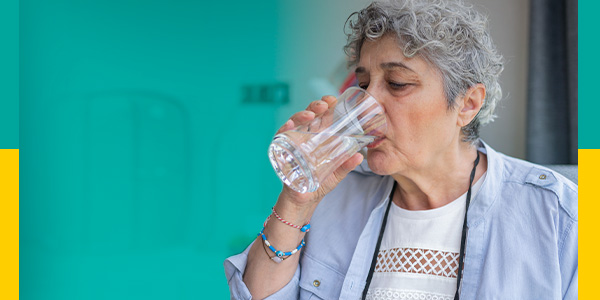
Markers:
<point>440,181</point>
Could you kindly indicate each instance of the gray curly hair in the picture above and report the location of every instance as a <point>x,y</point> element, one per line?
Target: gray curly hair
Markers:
<point>450,35</point>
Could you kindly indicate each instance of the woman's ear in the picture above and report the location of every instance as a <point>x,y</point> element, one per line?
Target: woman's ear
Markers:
<point>470,104</point>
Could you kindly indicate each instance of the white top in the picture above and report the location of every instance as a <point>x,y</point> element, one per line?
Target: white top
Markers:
<point>418,256</point>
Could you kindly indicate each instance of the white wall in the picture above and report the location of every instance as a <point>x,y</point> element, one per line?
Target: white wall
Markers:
<point>312,38</point>
<point>509,27</point>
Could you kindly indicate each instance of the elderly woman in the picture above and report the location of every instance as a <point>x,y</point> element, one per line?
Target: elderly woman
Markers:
<point>437,213</point>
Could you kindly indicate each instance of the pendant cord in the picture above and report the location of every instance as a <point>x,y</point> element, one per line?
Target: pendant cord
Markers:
<point>463,238</point>
<point>374,260</point>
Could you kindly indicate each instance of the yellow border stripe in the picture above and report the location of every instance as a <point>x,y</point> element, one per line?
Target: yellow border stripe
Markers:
<point>9,223</point>
<point>589,207</point>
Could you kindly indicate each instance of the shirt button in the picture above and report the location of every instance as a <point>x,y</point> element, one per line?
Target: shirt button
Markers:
<point>316,283</point>
<point>542,177</point>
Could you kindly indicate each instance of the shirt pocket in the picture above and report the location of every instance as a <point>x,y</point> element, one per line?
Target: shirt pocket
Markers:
<point>318,279</point>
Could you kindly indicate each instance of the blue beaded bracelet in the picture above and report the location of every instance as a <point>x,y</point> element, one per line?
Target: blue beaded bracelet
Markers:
<point>279,255</point>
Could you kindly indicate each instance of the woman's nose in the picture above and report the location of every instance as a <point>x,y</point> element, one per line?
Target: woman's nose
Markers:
<point>375,92</point>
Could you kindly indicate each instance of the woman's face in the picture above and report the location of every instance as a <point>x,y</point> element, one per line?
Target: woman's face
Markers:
<point>421,130</point>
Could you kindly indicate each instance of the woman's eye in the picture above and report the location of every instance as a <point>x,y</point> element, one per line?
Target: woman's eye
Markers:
<point>363,86</point>
<point>396,85</point>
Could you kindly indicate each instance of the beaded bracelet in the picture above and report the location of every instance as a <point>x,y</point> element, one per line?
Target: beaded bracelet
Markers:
<point>274,258</point>
<point>279,255</point>
<point>305,228</point>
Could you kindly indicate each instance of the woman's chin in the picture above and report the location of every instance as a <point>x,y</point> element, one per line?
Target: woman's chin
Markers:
<point>377,162</point>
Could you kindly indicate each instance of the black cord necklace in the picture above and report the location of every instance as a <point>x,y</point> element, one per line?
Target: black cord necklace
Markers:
<point>463,238</point>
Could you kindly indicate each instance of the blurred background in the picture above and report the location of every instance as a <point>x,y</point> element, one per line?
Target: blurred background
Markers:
<point>144,127</point>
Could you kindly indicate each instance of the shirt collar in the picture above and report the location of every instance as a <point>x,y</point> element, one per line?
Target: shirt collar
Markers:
<point>485,198</point>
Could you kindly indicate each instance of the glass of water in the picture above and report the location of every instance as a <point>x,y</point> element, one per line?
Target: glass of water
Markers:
<point>304,156</point>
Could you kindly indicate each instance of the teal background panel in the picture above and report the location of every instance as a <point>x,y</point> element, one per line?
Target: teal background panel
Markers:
<point>142,168</point>
<point>589,101</point>
<point>9,74</point>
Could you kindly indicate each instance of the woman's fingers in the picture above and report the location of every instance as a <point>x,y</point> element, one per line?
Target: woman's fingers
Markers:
<point>318,107</point>
<point>314,109</point>
<point>287,126</point>
<point>302,117</point>
<point>342,171</point>
<point>321,106</point>
<point>330,100</point>
<point>310,199</point>
<point>346,167</point>
<point>297,119</point>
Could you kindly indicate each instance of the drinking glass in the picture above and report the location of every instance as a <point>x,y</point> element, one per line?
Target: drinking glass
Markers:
<point>305,155</point>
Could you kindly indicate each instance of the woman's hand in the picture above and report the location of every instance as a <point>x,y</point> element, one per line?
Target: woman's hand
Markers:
<point>262,276</point>
<point>308,201</point>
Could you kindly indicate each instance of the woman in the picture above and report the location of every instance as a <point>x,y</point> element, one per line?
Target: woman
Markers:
<point>434,199</point>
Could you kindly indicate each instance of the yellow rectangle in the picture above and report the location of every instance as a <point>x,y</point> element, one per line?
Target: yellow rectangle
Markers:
<point>589,206</point>
<point>9,223</point>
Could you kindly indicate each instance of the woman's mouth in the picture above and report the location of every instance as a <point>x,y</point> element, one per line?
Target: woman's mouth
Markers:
<point>376,143</point>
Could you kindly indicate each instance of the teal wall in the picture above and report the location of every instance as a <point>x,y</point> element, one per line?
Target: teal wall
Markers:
<point>141,168</point>
<point>9,74</point>
<point>589,102</point>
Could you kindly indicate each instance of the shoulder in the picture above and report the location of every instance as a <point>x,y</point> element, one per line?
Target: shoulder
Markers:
<point>538,181</point>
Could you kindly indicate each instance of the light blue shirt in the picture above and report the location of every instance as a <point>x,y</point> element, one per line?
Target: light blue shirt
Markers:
<point>521,240</point>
